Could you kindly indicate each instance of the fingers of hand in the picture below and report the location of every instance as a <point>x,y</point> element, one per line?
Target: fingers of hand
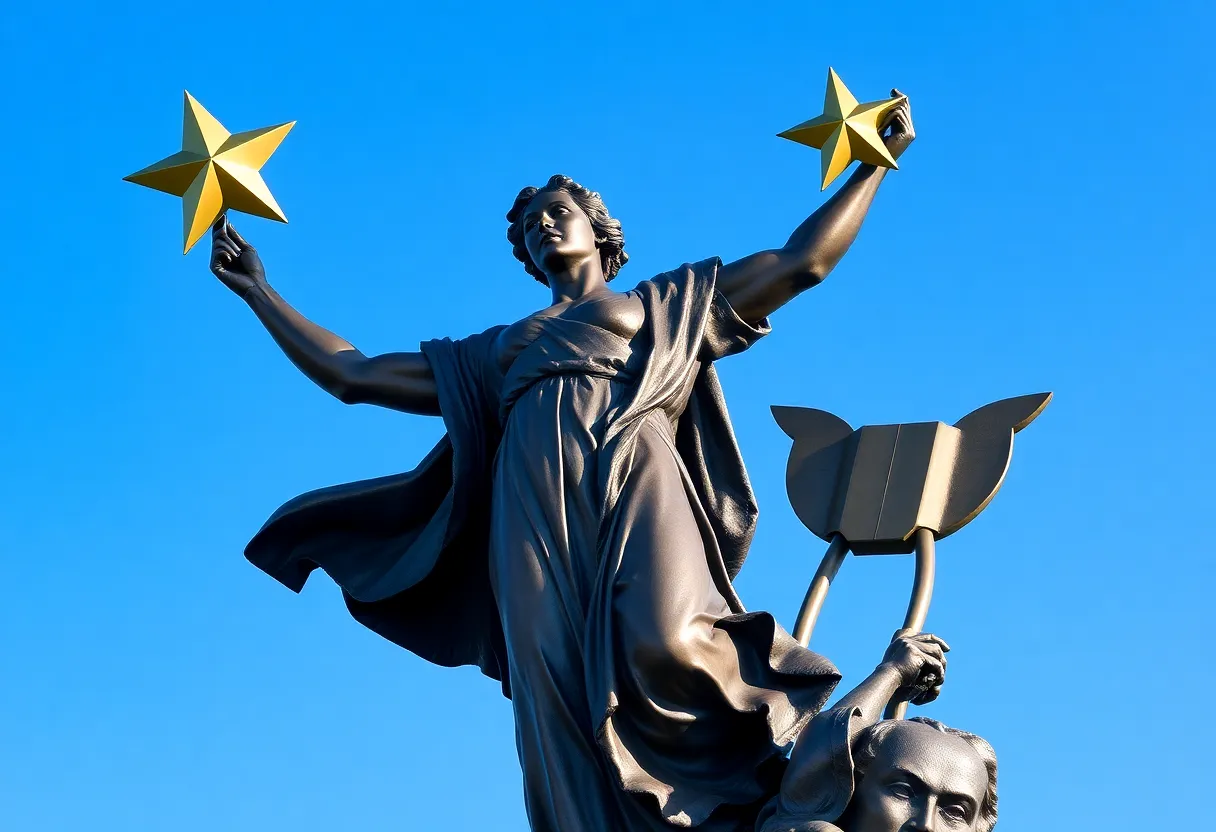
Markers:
<point>225,247</point>
<point>224,231</point>
<point>240,241</point>
<point>930,638</point>
<point>223,254</point>
<point>930,651</point>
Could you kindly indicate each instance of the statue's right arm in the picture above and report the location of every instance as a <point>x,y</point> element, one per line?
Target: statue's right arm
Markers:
<point>401,381</point>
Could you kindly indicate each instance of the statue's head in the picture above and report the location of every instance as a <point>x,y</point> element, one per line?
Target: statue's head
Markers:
<point>561,223</point>
<point>917,775</point>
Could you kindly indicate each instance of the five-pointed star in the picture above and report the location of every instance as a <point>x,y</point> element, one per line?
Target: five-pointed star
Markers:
<point>216,171</point>
<point>846,132</point>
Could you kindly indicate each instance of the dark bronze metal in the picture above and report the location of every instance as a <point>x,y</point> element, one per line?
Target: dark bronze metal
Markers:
<point>918,604</point>
<point>576,533</point>
<point>878,484</point>
<point>849,770</point>
<point>894,489</point>
<point>817,592</point>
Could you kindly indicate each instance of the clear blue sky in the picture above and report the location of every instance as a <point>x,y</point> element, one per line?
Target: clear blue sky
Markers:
<point>1051,229</point>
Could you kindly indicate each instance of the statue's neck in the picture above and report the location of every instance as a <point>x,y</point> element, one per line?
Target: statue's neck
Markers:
<point>579,280</point>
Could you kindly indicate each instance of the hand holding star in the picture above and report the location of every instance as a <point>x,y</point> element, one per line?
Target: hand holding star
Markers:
<point>849,131</point>
<point>899,124</point>
<point>215,171</point>
<point>234,261</point>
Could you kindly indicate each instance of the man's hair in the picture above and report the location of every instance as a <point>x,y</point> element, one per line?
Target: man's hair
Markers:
<point>866,748</point>
<point>609,238</point>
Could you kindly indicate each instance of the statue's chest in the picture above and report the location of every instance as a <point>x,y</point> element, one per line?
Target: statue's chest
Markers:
<point>621,315</point>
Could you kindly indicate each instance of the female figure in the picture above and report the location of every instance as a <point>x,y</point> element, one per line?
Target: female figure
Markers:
<point>576,532</point>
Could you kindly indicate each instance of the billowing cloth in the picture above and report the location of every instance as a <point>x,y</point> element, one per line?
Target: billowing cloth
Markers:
<point>575,536</point>
<point>819,783</point>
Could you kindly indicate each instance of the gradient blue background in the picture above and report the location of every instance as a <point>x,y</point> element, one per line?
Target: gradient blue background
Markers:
<point>1051,229</point>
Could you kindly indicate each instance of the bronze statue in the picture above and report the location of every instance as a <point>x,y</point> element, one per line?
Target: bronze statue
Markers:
<point>851,772</point>
<point>576,532</point>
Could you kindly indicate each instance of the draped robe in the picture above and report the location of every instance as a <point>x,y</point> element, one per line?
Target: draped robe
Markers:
<point>575,535</point>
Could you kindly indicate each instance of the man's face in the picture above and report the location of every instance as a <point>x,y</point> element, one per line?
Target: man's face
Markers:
<point>921,780</point>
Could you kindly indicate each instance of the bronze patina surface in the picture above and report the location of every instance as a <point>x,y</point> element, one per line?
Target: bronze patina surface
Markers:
<point>577,531</point>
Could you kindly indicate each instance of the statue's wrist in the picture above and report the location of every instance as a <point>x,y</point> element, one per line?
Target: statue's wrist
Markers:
<point>254,292</point>
<point>893,670</point>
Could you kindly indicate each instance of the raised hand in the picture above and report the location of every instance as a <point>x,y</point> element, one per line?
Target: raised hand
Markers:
<point>234,261</point>
<point>921,662</point>
<point>898,127</point>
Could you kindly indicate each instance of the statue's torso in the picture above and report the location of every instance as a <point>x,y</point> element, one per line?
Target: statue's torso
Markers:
<point>620,313</point>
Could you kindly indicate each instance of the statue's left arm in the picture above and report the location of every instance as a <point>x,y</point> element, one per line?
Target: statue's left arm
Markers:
<point>760,284</point>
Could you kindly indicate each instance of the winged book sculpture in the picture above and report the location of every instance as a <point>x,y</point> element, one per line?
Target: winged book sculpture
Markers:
<point>895,489</point>
<point>878,484</point>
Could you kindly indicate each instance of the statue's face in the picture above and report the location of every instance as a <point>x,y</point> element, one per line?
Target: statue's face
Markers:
<point>557,233</point>
<point>921,780</point>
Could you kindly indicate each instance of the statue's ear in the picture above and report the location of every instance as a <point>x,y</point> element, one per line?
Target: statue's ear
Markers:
<point>804,423</point>
<point>985,447</point>
<point>1007,414</point>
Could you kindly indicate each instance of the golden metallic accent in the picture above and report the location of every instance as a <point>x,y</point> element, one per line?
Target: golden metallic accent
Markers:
<point>847,132</point>
<point>215,171</point>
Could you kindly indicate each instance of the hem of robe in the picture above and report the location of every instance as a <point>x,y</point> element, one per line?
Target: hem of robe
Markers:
<point>769,659</point>
<point>786,659</point>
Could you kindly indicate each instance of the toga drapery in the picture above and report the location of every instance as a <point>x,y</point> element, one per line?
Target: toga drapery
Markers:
<point>575,535</point>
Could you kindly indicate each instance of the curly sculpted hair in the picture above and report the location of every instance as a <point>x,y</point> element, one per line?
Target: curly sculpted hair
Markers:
<point>609,238</point>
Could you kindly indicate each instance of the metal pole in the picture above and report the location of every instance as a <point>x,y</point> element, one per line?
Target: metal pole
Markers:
<point>817,592</point>
<point>918,605</point>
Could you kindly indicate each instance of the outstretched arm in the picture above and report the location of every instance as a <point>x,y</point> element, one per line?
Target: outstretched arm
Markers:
<point>762,283</point>
<point>401,381</point>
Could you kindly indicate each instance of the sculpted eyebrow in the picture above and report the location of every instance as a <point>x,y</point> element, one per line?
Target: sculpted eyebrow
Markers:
<point>916,781</point>
<point>964,799</point>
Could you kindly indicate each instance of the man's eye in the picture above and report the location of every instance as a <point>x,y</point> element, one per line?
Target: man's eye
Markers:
<point>955,814</point>
<point>529,225</point>
<point>561,209</point>
<point>900,790</point>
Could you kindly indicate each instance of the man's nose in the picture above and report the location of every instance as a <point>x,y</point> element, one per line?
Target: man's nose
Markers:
<point>922,820</point>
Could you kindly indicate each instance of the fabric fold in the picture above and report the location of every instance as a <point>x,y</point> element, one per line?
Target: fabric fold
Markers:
<point>575,535</point>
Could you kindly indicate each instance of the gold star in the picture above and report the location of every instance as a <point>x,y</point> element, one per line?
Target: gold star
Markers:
<point>846,132</point>
<point>215,171</point>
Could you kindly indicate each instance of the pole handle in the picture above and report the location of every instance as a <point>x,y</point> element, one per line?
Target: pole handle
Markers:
<point>817,592</point>
<point>918,604</point>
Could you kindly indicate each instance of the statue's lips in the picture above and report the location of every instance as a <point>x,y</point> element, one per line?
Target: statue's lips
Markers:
<point>548,239</point>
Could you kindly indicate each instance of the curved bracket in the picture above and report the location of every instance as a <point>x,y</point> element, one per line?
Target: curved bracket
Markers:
<point>817,592</point>
<point>918,603</point>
